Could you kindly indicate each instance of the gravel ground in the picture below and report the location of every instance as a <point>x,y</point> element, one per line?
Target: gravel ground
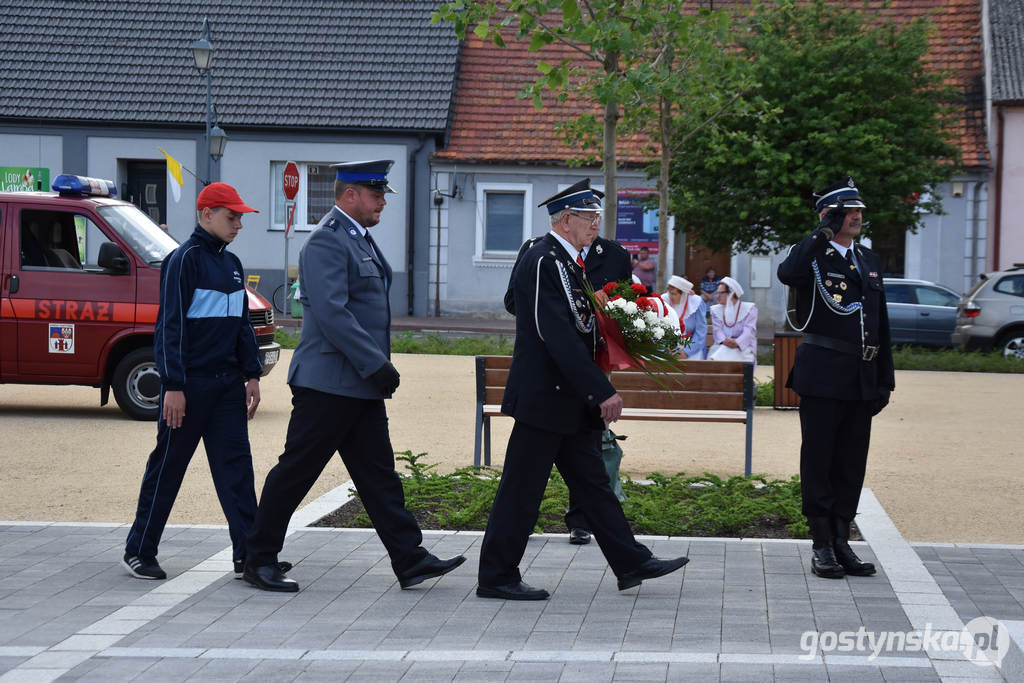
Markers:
<point>945,456</point>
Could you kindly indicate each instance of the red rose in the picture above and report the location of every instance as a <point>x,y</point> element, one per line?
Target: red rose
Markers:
<point>645,304</point>
<point>609,288</point>
<point>638,289</point>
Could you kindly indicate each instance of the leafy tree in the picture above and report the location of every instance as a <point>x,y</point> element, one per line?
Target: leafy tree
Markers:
<point>841,92</point>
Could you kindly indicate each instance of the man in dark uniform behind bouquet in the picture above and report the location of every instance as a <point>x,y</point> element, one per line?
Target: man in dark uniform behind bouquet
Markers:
<point>560,400</point>
<point>340,375</point>
<point>604,261</point>
<point>843,371</point>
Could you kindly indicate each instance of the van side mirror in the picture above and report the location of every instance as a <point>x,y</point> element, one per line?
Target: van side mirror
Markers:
<point>112,258</point>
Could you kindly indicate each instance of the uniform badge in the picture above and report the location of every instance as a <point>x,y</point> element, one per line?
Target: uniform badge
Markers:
<point>829,251</point>
<point>352,231</point>
<point>838,298</point>
<point>872,274</point>
<point>842,285</point>
<point>598,249</point>
<point>828,283</point>
<point>853,267</point>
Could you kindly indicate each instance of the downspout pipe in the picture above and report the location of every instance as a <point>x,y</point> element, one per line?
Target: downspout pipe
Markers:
<point>410,236</point>
<point>998,213</point>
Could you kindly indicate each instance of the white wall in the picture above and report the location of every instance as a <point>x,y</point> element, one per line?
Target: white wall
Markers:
<point>36,151</point>
<point>105,153</point>
<point>246,165</point>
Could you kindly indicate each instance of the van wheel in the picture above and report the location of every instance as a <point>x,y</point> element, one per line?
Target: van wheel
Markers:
<point>136,385</point>
<point>1012,344</point>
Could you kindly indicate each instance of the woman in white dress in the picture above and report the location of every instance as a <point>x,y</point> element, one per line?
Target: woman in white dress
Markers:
<point>693,316</point>
<point>733,324</point>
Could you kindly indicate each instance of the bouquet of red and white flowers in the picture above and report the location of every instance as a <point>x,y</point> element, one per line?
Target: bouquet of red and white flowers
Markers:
<point>638,329</point>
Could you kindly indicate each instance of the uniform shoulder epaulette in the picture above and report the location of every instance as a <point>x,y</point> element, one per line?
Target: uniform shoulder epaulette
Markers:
<point>331,224</point>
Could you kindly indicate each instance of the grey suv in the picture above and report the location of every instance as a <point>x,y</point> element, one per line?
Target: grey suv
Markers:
<point>991,314</point>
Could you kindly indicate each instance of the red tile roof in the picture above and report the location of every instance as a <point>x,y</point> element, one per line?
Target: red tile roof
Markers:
<point>491,125</point>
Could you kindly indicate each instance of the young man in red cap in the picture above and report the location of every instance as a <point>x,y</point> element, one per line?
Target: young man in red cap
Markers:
<point>208,359</point>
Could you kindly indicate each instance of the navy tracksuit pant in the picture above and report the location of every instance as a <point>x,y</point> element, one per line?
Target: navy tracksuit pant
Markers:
<point>215,412</point>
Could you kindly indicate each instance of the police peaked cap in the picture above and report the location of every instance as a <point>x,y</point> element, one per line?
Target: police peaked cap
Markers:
<point>844,191</point>
<point>372,174</point>
<point>578,197</point>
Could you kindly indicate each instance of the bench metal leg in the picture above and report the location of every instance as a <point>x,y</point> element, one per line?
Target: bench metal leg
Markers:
<point>476,434</point>
<point>487,441</point>
<point>750,440</point>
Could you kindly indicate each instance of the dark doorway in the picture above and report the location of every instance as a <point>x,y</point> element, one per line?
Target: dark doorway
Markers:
<point>892,253</point>
<point>699,259</point>
<point>146,188</point>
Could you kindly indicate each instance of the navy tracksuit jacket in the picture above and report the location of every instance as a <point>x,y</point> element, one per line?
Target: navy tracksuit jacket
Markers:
<point>205,346</point>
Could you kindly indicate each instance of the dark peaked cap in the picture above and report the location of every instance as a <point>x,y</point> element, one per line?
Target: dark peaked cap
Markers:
<point>844,191</point>
<point>579,197</point>
<point>372,174</point>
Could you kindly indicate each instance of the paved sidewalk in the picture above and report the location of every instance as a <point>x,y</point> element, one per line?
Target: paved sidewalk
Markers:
<point>742,610</point>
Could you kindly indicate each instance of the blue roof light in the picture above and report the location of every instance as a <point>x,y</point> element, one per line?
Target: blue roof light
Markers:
<point>84,186</point>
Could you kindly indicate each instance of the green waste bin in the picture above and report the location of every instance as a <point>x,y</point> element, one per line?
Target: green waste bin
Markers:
<point>296,304</point>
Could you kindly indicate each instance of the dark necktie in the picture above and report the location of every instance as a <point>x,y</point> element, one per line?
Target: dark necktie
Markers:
<point>378,258</point>
<point>849,259</point>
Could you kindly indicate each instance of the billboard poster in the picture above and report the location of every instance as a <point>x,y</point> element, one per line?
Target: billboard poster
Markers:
<point>24,179</point>
<point>637,224</point>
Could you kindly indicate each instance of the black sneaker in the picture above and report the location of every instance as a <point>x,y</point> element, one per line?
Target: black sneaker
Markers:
<point>143,567</point>
<point>285,567</point>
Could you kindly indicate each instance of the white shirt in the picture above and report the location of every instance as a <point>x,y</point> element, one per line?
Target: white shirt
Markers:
<point>842,252</point>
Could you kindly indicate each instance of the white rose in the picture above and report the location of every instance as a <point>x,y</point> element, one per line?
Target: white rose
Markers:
<point>658,333</point>
<point>639,323</point>
<point>618,303</point>
<point>651,317</point>
<point>630,308</point>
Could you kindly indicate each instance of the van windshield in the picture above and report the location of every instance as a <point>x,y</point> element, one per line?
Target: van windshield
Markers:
<point>145,237</point>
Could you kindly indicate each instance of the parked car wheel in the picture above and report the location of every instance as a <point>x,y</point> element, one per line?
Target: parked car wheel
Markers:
<point>1012,344</point>
<point>136,385</point>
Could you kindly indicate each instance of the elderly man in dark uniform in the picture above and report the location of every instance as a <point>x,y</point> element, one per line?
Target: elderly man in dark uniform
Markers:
<point>843,371</point>
<point>604,261</point>
<point>561,401</point>
<point>340,375</point>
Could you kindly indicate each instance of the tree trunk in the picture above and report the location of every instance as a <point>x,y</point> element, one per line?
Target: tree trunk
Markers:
<point>611,119</point>
<point>665,129</point>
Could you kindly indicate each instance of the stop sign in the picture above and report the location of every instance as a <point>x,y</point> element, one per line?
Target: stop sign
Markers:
<point>291,180</point>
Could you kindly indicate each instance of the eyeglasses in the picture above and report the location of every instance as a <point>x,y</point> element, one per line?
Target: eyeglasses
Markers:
<point>595,218</point>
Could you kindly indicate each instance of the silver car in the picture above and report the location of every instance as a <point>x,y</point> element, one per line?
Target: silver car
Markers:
<point>920,312</point>
<point>991,314</point>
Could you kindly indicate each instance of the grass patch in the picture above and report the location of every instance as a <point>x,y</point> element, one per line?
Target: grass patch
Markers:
<point>672,505</point>
<point>438,343</point>
<point>765,393</point>
<point>953,360</point>
<point>286,338</point>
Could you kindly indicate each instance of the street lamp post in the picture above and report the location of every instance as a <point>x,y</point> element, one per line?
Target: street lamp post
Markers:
<point>215,138</point>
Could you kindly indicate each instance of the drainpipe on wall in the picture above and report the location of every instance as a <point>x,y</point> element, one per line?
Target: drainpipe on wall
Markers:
<point>410,236</point>
<point>975,236</point>
<point>998,192</point>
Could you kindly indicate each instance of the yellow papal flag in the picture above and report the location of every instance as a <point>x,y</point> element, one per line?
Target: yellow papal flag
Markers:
<point>174,179</point>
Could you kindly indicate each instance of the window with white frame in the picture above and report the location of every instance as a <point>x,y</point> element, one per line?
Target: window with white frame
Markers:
<point>315,197</point>
<point>503,219</point>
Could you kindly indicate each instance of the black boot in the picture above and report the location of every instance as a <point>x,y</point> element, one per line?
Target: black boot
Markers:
<point>823,558</point>
<point>844,553</point>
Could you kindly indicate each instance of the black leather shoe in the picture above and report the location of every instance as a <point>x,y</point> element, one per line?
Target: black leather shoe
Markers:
<point>512,591</point>
<point>650,569</point>
<point>579,536</point>
<point>269,577</point>
<point>428,568</point>
<point>285,567</point>
<point>852,565</point>
<point>824,563</point>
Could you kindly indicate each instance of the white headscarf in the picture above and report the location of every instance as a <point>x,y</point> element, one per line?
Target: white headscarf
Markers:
<point>733,305</point>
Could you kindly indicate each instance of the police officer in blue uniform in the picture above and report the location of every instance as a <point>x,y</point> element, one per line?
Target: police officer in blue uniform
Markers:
<point>206,352</point>
<point>604,261</point>
<point>340,375</point>
<point>560,401</point>
<point>843,371</point>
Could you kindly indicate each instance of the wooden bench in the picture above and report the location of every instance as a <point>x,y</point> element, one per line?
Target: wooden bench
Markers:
<point>709,391</point>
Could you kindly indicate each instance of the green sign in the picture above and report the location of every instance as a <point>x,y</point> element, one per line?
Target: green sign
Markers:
<point>24,179</point>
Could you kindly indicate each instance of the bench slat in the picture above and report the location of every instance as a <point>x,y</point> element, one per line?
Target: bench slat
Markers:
<point>690,382</point>
<point>656,414</point>
<point>682,400</point>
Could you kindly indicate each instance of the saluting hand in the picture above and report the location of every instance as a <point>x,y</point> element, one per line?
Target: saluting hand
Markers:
<point>252,396</point>
<point>174,408</point>
<point>611,408</point>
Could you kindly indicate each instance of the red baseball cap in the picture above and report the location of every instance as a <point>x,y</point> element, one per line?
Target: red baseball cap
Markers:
<point>222,194</point>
